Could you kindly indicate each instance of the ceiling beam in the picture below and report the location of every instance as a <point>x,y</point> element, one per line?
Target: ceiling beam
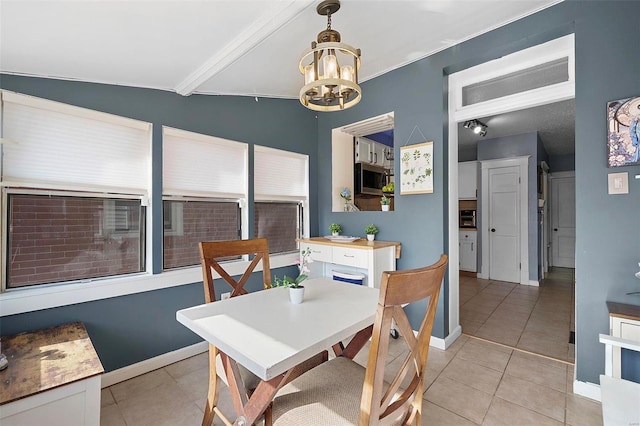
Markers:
<point>257,32</point>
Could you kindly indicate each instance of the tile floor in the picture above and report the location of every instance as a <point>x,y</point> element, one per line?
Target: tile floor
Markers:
<point>474,382</point>
<point>535,319</point>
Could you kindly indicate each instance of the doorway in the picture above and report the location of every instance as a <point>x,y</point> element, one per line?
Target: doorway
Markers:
<point>466,102</point>
<point>563,219</point>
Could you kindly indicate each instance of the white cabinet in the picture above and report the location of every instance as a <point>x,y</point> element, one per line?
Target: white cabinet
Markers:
<point>468,180</point>
<point>468,251</point>
<point>371,152</point>
<point>61,388</point>
<point>624,321</point>
<point>364,150</point>
<point>368,257</point>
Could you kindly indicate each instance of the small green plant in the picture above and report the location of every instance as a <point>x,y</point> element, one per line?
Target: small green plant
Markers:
<point>371,229</point>
<point>335,228</point>
<point>385,201</point>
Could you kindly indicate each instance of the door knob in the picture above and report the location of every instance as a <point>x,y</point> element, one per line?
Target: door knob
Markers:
<point>555,229</point>
<point>493,229</point>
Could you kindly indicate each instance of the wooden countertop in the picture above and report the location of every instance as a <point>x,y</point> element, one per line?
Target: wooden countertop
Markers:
<point>46,359</point>
<point>361,243</point>
<point>623,310</point>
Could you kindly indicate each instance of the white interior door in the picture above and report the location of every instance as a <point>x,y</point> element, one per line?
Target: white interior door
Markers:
<point>563,221</point>
<point>504,224</point>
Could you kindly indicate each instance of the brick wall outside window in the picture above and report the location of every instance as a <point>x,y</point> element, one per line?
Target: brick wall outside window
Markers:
<point>278,222</point>
<point>192,222</point>
<point>60,238</point>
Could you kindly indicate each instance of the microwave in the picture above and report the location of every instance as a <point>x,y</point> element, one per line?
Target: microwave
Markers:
<point>467,219</point>
<point>369,179</point>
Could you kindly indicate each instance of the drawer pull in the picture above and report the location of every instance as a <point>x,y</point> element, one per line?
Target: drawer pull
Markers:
<point>346,255</point>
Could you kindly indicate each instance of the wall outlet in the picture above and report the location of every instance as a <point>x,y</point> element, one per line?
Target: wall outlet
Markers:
<point>225,296</point>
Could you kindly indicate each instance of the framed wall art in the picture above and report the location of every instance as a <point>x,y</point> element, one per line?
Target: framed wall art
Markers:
<point>624,132</point>
<point>416,169</point>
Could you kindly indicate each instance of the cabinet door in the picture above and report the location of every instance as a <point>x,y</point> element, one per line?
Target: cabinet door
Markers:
<point>364,151</point>
<point>378,154</point>
<point>467,180</point>
<point>468,252</point>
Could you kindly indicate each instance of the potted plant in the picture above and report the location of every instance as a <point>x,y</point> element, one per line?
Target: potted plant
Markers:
<point>385,203</point>
<point>296,291</point>
<point>335,229</point>
<point>371,230</point>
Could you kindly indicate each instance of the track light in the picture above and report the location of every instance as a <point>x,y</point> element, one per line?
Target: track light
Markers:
<point>478,127</point>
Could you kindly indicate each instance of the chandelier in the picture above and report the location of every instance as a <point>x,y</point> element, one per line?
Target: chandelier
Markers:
<point>330,68</point>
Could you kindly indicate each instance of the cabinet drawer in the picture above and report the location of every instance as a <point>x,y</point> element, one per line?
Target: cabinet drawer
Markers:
<point>319,253</point>
<point>350,257</point>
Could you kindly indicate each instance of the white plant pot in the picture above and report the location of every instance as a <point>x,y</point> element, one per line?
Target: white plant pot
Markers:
<point>335,234</point>
<point>296,294</point>
<point>385,207</point>
<point>371,237</point>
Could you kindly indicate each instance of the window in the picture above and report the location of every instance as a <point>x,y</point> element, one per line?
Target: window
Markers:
<point>280,197</point>
<point>204,187</point>
<point>74,190</point>
<point>280,223</point>
<point>199,221</point>
<point>59,238</point>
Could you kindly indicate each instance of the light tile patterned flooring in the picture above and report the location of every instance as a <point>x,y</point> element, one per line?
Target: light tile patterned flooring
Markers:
<point>535,319</point>
<point>474,382</point>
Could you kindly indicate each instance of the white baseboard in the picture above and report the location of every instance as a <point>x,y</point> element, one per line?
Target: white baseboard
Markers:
<point>534,283</point>
<point>588,390</point>
<point>142,367</point>
<point>443,344</point>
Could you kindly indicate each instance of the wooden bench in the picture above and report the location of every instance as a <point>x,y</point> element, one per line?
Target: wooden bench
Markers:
<point>53,377</point>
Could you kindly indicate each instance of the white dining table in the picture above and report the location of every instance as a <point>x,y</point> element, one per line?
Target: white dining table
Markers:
<point>270,336</point>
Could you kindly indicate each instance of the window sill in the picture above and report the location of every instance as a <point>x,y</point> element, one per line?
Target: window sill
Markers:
<point>18,301</point>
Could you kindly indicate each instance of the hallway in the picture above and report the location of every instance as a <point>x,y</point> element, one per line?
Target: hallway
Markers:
<point>534,319</point>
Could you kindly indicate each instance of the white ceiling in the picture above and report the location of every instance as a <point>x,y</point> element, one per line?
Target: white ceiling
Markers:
<point>236,47</point>
<point>555,124</point>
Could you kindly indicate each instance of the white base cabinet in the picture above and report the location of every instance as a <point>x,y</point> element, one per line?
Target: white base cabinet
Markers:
<point>468,241</point>
<point>624,322</point>
<point>370,258</point>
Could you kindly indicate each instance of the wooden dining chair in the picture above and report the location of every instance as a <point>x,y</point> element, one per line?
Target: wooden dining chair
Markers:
<point>342,392</point>
<point>212,254</point>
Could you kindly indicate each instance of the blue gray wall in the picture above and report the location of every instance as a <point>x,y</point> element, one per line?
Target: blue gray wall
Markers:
<point>607,68</point>
<point>562,163</point>
<point>523,145</point>
<point>129,329</point>
<point>608,238</point>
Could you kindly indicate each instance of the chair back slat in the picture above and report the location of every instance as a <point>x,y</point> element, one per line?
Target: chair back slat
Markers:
<point>400,401</point>
<point>211,254</point>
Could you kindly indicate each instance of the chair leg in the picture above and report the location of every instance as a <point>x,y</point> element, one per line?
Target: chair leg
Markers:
<point>268,415</point>
<point>212,394</point>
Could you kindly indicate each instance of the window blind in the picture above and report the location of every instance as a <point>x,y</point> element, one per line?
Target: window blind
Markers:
<point>63,146</point>
<point>280,175</point>
<point>201,165</point>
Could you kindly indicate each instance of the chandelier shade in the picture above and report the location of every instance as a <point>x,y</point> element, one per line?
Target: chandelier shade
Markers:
<point>330,69</point>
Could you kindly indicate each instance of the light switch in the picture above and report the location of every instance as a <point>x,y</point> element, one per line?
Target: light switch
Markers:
<point>618,183</point>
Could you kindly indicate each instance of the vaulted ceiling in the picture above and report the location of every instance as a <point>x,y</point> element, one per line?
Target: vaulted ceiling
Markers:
<point>230,47</point>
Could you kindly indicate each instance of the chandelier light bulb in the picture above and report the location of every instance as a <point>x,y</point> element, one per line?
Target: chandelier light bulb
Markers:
<point>346,72</point>
<point>330,66</point>
<point>309,74</point>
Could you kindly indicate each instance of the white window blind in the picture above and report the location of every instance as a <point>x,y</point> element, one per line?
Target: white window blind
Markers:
<point>63,146</point>
<point>201,165</point>
<point>280,175</point>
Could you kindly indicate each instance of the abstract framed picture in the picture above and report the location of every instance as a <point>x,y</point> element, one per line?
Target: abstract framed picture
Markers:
<point>623,140</point>
<point>416,169</point>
